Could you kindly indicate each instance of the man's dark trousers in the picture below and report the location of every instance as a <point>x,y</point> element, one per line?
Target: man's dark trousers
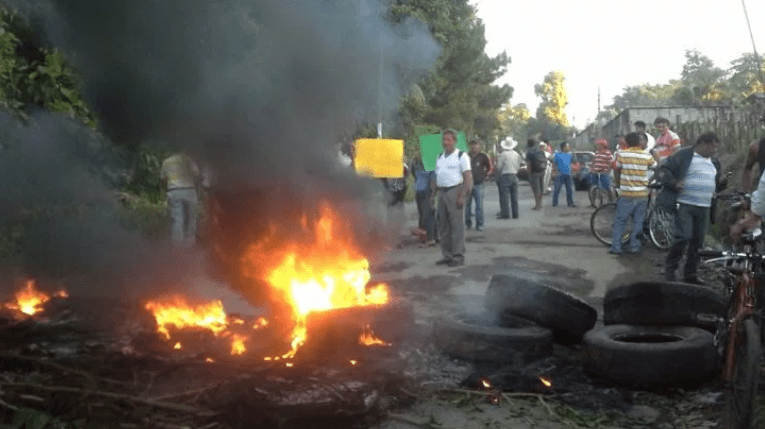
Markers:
<point>508,186</point>
<point>691,223</point>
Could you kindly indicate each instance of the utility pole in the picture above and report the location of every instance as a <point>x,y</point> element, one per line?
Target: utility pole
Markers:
<point>598,115</point>
<point>754,47</point>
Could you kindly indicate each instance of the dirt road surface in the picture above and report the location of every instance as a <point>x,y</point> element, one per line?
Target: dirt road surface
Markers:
<point>555,243</point>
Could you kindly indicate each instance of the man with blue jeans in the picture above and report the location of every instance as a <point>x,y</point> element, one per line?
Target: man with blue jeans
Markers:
<point>481,167</point>
<point>632,166</point>
<point>180,178</point>
<point>563,163</point>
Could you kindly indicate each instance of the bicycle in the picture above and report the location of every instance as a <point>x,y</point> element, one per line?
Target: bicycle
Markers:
<point>598,195</point>
<point>658,224</point>
<point>739,334</point>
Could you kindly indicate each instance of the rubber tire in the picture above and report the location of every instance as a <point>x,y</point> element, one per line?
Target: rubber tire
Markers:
<point>566,314</point>
<point>739,412</point>
<point>692,357</point>
<point>662,303</point>
<point>476,337</point>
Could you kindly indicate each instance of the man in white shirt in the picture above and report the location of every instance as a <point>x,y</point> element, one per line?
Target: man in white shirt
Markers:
<point>454,181</point>
<point>650,141</point>
<point>508,163</point>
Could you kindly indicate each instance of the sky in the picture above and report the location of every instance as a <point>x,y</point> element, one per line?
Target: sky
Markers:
<point>613,44</point>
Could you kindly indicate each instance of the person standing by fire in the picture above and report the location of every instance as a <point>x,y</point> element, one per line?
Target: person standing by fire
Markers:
<point>453,181</point>
<point>179,177</point>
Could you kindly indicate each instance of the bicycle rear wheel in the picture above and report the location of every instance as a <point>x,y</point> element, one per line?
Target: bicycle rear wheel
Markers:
<point>602,224</point>
<point>741,392</point>
<point>661,227</point>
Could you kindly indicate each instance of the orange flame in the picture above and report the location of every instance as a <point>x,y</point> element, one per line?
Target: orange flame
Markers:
<point>261,322</point>
<point>209,360</point>
<point>61,294</point>
<point>180,314</point>
<point>29,300</point>
<point>353,362</point>
<point>545,381</point>
<point>325,272</point>
<point>237,345</point>
<point>177,346</point>
<point>368,338</point>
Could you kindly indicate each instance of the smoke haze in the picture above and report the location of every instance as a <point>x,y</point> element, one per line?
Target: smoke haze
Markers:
<point>259,90</point>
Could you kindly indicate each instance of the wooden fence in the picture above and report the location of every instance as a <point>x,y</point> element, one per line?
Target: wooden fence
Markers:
<point>735,135</point>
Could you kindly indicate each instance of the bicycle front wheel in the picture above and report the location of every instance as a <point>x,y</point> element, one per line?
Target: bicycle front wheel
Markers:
<point>742,389</point>
<point>602,224</point>
<point>592,194</point>
<point>661,227</point>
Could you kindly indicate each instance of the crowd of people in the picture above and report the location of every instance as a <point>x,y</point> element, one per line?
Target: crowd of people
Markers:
<point>690,177</point>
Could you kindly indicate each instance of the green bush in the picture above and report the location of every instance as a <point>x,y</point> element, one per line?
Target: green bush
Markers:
<point>148,217</point>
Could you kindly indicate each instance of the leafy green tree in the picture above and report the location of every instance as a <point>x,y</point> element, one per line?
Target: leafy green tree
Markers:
<point>33,75</point>
<point>701,81</point>
<point>645,95</point>
<point>460,91</point>
<point>514,122</point>
<point>746,76</point>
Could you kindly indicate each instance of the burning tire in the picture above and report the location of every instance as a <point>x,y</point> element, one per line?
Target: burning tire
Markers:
<point>477,337</point>
<point>663,303</point>
<point>569,316</point>
<point>649,355</point>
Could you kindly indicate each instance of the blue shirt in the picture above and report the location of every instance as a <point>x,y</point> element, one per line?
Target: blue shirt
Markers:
<point>563,161</point>
<point>422,179</point>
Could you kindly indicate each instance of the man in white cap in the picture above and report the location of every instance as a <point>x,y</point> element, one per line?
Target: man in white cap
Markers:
<point>508,163</point>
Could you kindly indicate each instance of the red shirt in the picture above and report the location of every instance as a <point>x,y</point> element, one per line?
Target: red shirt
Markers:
<point>602,161</point>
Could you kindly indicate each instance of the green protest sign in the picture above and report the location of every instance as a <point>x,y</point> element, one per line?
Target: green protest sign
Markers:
<point>431,147</point>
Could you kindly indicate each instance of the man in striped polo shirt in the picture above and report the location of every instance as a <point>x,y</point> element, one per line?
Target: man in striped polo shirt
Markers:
<point>632,166</point>
<point>691,177</point>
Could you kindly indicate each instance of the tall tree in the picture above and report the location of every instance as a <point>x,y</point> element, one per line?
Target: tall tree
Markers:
<point>701,81</point>
<point>460,91</point>
<point>746,75</point>
<point>514,121</point>
<point>554,99</point>
<point>645,95</point>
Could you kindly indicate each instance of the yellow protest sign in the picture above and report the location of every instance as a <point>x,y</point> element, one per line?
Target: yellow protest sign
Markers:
<point>380,157</point>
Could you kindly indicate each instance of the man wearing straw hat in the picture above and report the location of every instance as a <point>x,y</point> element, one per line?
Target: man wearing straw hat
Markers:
<point>508,163</point>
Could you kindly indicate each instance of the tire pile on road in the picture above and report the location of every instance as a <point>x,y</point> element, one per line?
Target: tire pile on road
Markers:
<point>522,320</point>
<point>655,333</point>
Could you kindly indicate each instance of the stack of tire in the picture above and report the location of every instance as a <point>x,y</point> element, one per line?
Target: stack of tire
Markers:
<point>655,333</point>
<point>524,316</point>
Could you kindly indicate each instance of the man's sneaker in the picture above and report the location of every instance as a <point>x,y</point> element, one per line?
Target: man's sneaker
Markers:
<point>479,228</point>
<point>444,261</point>
<point>456,262</point>
<point>614,252</point>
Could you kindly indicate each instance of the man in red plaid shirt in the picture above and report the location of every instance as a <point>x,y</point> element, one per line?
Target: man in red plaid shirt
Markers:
<point>601,167</point>
<point>667,143</point>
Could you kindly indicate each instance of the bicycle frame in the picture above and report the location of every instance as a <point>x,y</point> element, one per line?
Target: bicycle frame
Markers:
<point>743,298</point>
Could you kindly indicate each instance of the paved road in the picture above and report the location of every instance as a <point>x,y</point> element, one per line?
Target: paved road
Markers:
<point>555,243</point>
